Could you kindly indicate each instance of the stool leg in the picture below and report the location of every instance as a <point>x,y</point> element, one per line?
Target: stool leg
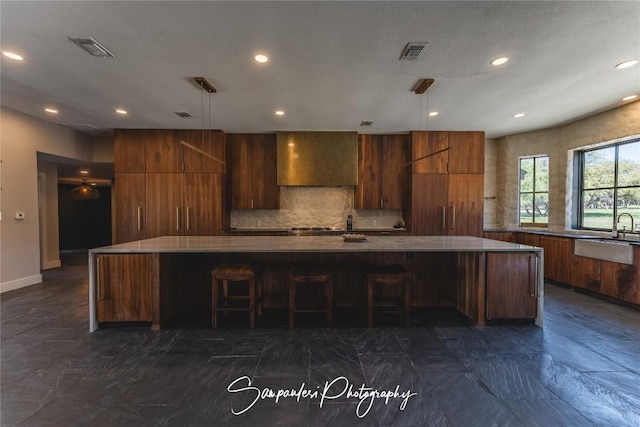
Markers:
<point>329,291</point>
<point>214,303</point>
<point>252,303</point>
<point>225,294</point>
<point>407,304</point>
<point>292,302</point>
<point>259,285</point>
<point>370,302</point>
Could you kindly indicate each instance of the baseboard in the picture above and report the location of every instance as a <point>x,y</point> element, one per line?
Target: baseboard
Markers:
<point>52,264</point>
<point>20,283</point>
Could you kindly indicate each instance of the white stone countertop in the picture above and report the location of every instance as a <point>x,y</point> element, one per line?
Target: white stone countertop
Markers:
<point>315,244</point>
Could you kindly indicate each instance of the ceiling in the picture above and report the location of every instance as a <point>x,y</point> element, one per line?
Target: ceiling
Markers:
<point>332,64</point>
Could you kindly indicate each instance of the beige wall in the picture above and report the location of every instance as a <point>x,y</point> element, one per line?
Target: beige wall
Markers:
<point>21,137</point>
<point>559,144</point>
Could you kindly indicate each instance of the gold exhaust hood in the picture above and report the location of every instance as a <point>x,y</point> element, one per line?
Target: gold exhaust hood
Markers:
<point>321,159</point>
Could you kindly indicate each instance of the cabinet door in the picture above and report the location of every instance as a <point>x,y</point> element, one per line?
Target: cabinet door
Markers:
<point>203,208</point>
<point>367,193</point>
<point>162,151</point>
<point>558,252</point>
<point>266,194</point>
<point>586,273</point>
<point>211,142</point>
<point>241,171</point>
<point>620,280</point>
<point>394,156</point>
<point>123,287</point>
<point>466,152</point>
<point>130,206</point>
<point>429,202</point>
<point>425,143</point>
<point>511,286</point>
<point>128,150</point>
<point>164,216</point>
<point>466,197</point>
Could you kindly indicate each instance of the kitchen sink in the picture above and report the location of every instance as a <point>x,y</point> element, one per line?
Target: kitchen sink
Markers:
<point>605,249</point>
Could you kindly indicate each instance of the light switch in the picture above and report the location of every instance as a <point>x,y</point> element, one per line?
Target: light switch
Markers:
<point>19,215</point>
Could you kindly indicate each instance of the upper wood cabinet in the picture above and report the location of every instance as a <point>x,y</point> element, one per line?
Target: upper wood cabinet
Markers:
<point>463,152</point>
<point>253,171</point>
<point>381,171</point>
<point>161,150</point>
<point>123,287</point>
<point>130,206</point>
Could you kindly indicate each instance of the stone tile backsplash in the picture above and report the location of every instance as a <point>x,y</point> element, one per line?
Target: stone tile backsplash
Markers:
<point>314,206</point>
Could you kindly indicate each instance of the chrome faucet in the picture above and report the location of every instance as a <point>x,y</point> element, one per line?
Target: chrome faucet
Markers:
<point>624,228</point>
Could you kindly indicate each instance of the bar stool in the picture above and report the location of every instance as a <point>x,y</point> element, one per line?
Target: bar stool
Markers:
<point>226,273</point>
<point>301,303</point>
<point>389,275</point>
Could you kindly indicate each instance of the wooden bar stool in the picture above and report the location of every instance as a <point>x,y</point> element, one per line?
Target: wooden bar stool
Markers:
<point>226,273</point>
<point>389,275</point>
<point>304,303</point>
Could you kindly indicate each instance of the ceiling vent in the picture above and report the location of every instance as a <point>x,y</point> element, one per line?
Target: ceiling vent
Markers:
<point>413,51</point>
<point>366,123</point>
<point>92,46</point>
<point>184,114</point>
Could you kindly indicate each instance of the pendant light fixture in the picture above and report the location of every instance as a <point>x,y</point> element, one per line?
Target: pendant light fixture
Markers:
<point>85,192</point>
<point>206,86</point>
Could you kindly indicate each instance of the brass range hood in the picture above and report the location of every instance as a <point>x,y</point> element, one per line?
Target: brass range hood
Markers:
<point>320,159</point>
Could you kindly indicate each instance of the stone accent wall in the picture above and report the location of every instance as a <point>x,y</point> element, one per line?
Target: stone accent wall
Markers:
<point>314,206</point>
<point>559,144</point>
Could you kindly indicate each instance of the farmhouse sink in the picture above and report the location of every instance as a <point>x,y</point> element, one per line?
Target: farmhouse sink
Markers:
<point>605,249</point>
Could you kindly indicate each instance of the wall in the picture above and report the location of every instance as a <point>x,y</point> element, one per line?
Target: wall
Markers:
<point>48,211</point>
<point>21,136</point>
<point>558,143</point>
<point>303,206</point>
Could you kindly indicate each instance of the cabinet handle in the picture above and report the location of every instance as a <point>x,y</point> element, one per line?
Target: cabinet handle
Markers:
<point>98,281</point>
<point>533,261</point>
<point>444,217</point>
<point>453,217</point>
<point>188,210</point>
<point>177,217</point>
<point>382,203</point>
<point>139,218</point>
<point>251,203</point>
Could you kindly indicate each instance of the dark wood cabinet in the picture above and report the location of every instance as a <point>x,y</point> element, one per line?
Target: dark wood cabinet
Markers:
<point>465,207</point>
<point>128,150</point>
<point>204,151</point>
<point>203,205</point>
<point>162,152</point>
<point>123,287</point>
<point>464,152</point>
<point>503,236</point>
<point>585,273</point>
<point>381,171</point>
<point>130,206</point>
<point>511,286</point>
<point>530,239</point>
<point>253,171</point>
<point>164,216</point>
<point>558,252</point>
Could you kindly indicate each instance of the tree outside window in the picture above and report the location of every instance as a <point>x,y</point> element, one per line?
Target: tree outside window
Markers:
<point>534,191</point>
<point>610,185</point>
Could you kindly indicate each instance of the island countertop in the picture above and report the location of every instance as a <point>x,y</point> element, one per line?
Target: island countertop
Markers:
<point>314,244</point>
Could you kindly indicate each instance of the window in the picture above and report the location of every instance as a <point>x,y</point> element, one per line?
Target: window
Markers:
<point>534,191</point>
<point>609,185</point>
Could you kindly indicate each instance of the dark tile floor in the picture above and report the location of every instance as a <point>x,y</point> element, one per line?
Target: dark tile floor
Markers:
<point>582,369</point>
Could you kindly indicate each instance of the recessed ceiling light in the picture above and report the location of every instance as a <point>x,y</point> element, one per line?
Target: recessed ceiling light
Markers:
<point>627,64</point>
<point>84,171</point>
<point>12,55</point>
<point>121,111</point>
<point>629,98</point>
<point>433,113</point>
<point>261,58</point>
<point>51,110</point>
<point>279,113</point>
<point>518,115</point>
<point>500,60</point>
<point>93,184</point>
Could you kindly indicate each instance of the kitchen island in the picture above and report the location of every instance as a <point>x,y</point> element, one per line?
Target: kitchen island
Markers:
<point>155,279</point>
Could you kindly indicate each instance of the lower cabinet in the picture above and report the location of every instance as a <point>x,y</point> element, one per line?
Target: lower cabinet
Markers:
<point>123,287</point>
<point>511,286</point>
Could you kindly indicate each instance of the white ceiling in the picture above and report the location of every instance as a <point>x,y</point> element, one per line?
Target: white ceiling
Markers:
<point>332,64</point>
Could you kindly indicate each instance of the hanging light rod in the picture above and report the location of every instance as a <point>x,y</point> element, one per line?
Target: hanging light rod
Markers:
<point>205,84</point>
<point>422,86</point>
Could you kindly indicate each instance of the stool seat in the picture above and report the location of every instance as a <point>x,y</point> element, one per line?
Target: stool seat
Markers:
<point>301,275</point>
<point>226,273</point>
<point>389,275</point>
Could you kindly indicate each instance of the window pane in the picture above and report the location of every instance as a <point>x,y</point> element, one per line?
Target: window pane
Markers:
<point>542,208</point>
<point>542,174</point>
<point>629,164</point>
<point>597,208</point>
<point>526,175</point>
<point>526,208</point>
<point>599,168</point>
<point>629,202</point>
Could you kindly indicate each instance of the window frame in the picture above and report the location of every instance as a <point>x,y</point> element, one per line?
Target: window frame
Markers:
<point>533,192</point>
